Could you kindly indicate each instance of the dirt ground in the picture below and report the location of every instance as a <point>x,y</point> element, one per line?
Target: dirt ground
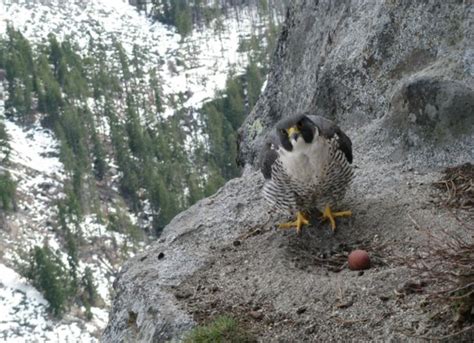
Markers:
<point>288,288</point>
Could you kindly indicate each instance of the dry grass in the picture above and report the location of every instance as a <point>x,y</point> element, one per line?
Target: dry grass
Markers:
<point>445,262</point>
<point>458,184</point>
<point>445,265</point>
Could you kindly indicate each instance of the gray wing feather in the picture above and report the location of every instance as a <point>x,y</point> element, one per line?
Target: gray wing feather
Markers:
<point>277,189</point>
<point>268,155</point>
<point>328,129</point>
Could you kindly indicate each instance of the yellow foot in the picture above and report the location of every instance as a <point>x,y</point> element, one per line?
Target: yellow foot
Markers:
<point>301,219</point>
<point>328,214</point>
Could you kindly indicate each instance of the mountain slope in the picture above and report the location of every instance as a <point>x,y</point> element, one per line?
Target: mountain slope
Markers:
<point>107,140</point>
<point>403,91</point>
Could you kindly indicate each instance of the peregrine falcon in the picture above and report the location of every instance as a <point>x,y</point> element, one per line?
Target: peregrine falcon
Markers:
<point>307,165</point>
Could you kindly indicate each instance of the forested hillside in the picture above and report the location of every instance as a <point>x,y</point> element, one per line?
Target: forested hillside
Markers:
<point>106,133</point>
<point>186,14</point>
<point>166,163</point>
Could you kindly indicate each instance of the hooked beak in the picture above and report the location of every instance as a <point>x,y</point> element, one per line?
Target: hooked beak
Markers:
<point>293,133</point>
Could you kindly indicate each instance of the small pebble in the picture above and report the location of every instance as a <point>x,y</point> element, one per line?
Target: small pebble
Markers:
<point>256,315</point>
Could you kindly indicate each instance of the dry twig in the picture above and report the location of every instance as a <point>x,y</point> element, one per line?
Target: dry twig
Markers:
<point>438,338</point>
<point>446,260</point>
<point>458,184</point>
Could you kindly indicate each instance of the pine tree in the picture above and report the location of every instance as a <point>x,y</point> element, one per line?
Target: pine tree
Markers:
<point>134,129</point>
<point>154,85</point>
<point>254,83</point>
<point>4,145</point>
<point>66,217</point>
<point>75,80</point>
<point>100,166</point>
<point>7,185</point>
<point>183,18</point>
<point>56,57</point>
<point>20,74</point>
<point>47,273</point>
<point>89,296</point>
<point>129,181</point>
<point>124,63</point>
<point>49,92</point>
<point>7,191</point>
<point>137,62</point>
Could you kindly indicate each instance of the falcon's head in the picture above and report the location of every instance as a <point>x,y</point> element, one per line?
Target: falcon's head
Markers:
<point>296,131</point>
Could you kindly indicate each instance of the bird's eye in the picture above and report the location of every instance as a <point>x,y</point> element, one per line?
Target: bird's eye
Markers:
<point>283,131</point>
<point>299,125</point>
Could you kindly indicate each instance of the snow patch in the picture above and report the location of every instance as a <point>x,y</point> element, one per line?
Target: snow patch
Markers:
<point>24,317</point>
<point>30,147</point>
<point>194,67</point>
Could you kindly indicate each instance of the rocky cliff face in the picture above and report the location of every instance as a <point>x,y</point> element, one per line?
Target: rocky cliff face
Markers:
<point>406,67</point>
<point>398,77</point>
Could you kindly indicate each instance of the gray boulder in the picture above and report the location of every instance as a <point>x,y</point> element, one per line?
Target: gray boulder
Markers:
<point>398,77</point>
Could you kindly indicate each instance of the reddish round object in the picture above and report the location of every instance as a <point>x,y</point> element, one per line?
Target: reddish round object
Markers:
<point>359,260</point>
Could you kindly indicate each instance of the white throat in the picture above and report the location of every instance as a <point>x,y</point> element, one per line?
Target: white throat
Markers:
<point>306,161</point>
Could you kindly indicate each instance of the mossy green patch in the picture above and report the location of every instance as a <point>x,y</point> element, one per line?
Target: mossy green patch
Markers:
<point>222,329</point>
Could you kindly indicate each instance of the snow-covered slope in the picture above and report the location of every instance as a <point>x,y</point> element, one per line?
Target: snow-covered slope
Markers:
<point>35,167</point>
<point>24,316</point>
<point>195,66</point>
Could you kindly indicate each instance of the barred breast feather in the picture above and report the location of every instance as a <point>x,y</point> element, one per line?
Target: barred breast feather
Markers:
<point>311,177</point>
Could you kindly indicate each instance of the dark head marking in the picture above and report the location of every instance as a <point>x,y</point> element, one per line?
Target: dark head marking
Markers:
<point>302,126</point>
